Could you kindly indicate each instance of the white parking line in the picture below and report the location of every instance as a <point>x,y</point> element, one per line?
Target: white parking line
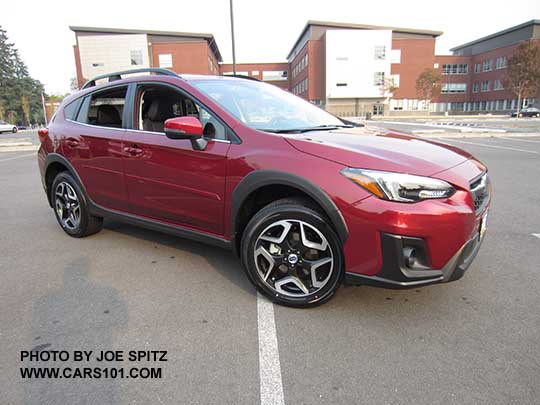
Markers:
<point>494,146</point>
<point>519,140</point>
<point>536,234</point>
<point>17,157</point>
<point>269,367</point>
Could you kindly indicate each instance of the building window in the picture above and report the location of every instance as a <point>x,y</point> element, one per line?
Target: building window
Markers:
<point>488,65</point>
<point>274,75</point>
<point>341,84</point>
<point>380,52</point>
<point>498,85</point>
<point>453,88</point>
<point>501,62</point>
<point>165,60</point>
<point>378,78</point>
<point>485,86</point>
<point>476,87</point>
<point>455,69</point>
<point>477,68</point>
<point>136,57</point>
<point>395,56</point>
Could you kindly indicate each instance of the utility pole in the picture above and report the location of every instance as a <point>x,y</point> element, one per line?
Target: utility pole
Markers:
<point>232,36</point>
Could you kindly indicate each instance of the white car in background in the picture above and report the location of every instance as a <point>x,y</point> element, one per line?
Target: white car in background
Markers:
<point>5,127</point>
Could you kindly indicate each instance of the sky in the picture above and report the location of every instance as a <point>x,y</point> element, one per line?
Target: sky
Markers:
<point>265,30</point>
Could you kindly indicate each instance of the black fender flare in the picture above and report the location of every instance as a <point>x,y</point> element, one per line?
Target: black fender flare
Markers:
<point>57,158</point>
<point>261,178</point>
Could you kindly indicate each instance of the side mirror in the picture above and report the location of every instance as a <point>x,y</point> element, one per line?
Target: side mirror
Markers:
<point>186,128</point>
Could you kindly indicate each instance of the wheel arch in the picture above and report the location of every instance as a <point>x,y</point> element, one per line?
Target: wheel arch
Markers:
<point>282,184</point>
<point>54,164</point>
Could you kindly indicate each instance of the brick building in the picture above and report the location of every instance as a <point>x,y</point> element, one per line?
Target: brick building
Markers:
<point>482,86</point>
<point>103,50</point>
<point>349,69</point>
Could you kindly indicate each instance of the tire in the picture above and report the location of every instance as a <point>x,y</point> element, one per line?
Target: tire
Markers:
<point>71,208</point>
<point>14,130</point>
<point>279,263</point>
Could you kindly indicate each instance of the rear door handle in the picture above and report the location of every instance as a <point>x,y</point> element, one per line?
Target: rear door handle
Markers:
<point>132,151</point>
<point>72,142</point>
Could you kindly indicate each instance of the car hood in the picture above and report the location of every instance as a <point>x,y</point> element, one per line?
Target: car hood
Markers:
<point>371,148</point>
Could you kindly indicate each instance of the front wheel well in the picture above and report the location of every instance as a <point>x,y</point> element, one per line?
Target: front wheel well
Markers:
<point>263,196</point>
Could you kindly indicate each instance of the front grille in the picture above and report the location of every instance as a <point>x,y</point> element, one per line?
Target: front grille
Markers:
<point>480,192</point>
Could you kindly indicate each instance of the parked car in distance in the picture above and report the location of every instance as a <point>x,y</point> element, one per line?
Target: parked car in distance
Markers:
<point>5,127</point>
<point>305,200</point>
<point>527,112</point>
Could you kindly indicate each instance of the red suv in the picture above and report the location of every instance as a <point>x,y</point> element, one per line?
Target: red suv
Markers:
<point>305,199</point>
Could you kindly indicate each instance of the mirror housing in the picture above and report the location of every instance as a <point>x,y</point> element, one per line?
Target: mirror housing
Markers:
<point>186,128</point>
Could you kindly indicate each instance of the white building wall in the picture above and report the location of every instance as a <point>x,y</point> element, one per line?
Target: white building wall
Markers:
<point>102,54</point>
<point>350,60</point>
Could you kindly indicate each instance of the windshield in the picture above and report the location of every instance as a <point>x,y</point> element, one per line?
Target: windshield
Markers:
<point>266,107</point>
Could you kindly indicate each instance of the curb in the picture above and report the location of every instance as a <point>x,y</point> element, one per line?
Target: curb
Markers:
<point>23,148</point>
<point>11,144</point>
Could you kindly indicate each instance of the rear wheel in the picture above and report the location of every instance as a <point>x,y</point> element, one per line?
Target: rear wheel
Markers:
<point>14,130</point>
<point>292,255</point>
<point>71,208</point>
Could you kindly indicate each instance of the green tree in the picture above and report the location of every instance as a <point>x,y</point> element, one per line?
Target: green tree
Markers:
<point>428,85</point>
<point>20,94</point>
<point>523,72</point>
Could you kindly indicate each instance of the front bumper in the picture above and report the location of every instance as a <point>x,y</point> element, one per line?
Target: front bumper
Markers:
<point>395,273</point>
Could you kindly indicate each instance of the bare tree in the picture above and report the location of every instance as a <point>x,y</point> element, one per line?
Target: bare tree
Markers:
<point>428,85</point>
<point>387,87</point>
<point>523,72</point>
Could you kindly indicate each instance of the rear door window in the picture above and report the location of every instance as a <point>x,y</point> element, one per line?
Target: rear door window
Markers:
<point>104,108</point>
<point>71,109</point>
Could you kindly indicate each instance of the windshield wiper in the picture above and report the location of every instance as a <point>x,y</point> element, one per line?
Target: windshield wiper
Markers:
<point>306,129</point>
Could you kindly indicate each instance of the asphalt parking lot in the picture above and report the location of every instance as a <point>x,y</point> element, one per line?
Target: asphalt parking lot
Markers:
<point>459,125</point>
<point>472,341</point>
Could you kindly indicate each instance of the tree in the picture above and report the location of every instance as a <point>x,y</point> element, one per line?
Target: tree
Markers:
<point>25,105</point>
<point>387,87</point>
<point>20,94</point>
<point>428,85</point>
<point>523,71</point>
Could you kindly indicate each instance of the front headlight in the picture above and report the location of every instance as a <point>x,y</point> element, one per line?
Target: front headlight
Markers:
<point>399,187</point>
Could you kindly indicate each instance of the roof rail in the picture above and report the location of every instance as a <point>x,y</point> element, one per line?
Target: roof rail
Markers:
<point>244,77</point>
<point>118,75</point>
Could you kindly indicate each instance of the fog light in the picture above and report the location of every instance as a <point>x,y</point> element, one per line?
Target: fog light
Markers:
<point>409,255</point>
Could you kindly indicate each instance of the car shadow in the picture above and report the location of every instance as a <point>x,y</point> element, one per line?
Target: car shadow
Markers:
<point>221,260</point>
<point>77,315</point>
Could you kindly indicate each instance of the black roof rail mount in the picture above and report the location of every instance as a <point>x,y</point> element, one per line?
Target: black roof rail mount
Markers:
<point>118,75</point>
<point>244,77</point>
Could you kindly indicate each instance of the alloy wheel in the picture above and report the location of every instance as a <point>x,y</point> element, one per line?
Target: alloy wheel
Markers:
<point>67,206</point>
<point>293,258</point>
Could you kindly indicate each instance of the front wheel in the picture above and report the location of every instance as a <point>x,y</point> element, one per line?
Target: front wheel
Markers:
<point>292,254</point>
<point>14,130</point>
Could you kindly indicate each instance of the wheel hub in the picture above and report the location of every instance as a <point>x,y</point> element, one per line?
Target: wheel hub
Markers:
<point>293,258</point>
<point>67,206</point>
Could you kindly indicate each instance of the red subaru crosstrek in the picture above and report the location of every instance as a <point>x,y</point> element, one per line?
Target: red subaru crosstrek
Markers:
<point>306,200</point>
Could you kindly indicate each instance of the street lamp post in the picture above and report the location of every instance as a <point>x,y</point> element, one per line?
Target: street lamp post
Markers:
<point>232,36</point>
